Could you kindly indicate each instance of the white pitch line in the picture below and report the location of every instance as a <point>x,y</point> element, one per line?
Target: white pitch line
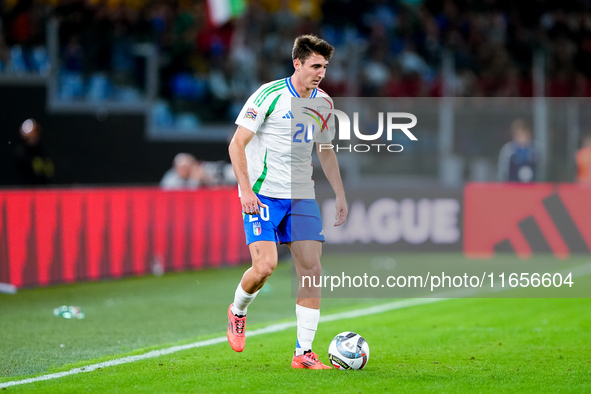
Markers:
<point>265,330</point>
<point>578,271</point>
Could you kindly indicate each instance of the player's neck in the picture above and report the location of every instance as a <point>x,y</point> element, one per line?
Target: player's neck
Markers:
<point>301,89</point>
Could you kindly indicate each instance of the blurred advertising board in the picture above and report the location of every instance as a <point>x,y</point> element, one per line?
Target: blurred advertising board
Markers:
<point>382,220</point>
<point>66,235</point>
<point>526,219</point>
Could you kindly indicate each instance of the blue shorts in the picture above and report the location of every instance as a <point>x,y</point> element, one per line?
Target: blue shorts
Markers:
<point>284,220</point>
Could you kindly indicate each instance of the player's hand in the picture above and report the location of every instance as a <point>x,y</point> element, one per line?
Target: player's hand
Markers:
<point>251,204</point>
<point>342,212</point>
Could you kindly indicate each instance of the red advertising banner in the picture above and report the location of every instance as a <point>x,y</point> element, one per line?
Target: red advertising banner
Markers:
<point>58,236</point>
<point>527,219</point>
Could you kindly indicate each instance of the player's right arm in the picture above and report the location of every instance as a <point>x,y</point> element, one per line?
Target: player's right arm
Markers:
<point>248,199</point>
<point>249,120</point>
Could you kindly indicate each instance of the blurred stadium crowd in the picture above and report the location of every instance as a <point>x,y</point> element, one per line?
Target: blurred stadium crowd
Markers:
<point>384,47</point>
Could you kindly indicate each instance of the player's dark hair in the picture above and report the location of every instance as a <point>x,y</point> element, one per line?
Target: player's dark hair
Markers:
<point>307,44</point>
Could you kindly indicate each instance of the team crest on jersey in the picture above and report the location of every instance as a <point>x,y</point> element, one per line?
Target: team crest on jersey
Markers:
<point>251,114</point>
<point>256,228</point>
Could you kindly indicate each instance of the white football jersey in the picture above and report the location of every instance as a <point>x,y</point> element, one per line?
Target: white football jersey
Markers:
<point>279,157</point>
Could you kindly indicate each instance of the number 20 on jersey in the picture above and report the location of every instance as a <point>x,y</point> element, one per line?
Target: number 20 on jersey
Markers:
<point>303,132</point>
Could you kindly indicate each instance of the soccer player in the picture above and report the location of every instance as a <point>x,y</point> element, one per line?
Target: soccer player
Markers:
<point>276,206</point>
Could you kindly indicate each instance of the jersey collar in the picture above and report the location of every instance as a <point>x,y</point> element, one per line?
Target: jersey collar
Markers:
<point>293,92</point>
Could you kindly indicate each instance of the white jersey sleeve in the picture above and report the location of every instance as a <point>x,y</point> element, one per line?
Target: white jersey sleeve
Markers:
<point>254,112</point>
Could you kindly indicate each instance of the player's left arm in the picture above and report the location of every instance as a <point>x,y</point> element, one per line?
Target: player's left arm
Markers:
<point>330,166</point>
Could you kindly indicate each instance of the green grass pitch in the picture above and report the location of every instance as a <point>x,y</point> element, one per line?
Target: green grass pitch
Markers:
<point>459,345</point>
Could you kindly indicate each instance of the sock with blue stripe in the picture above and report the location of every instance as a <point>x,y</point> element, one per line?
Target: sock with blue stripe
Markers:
<point>307,325</point>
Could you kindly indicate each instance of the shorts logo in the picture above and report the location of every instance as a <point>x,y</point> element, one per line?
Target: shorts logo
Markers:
<point>251,114</point>
<point>256,228</point>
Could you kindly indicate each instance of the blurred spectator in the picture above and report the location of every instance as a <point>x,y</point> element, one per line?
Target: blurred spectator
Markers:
<point>23,31</point>
<point>387,48</point>
<point>219,172</point>
<point>519,159</point>
<point>186,173</point>
<point>35,166</point>
<point>583,159</point>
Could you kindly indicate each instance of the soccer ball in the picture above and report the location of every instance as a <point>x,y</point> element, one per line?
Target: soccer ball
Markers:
<point>348,350</point>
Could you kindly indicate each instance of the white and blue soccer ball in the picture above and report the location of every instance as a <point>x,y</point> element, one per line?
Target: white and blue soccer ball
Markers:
<point>348,350</point>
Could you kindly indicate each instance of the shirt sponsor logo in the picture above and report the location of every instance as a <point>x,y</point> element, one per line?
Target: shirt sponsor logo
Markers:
<point>251,114</point>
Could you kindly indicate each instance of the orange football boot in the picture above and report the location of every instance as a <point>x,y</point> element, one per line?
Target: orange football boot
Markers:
<point>308,360</point>
<point>236,335</point>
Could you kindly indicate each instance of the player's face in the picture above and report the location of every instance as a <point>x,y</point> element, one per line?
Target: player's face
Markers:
<point>312,72</point>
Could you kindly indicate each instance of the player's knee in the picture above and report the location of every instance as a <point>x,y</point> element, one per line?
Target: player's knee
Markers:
<point>266,267</point>
<point>311,271</point>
